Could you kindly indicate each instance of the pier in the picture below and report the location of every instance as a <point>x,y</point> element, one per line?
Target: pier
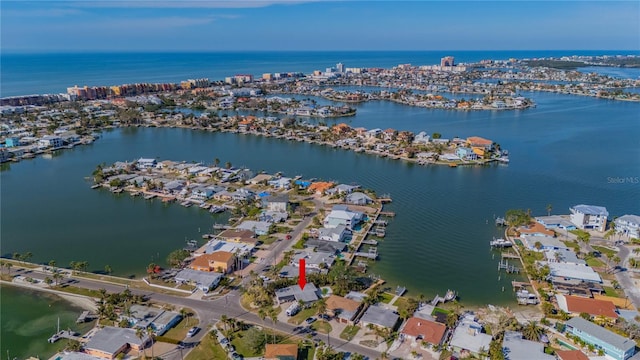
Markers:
<point>387,213</point>
<point>509,255</point>
<point>510,269</point>
<point>85,316</point>
<point>371,254</point>
<point>65,334</point>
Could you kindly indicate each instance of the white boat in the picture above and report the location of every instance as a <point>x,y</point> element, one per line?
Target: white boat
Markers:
<point>204,206</point>
<point>450,295</point>
<point>500,243</point>
<point>186,203</point>
<point>217,209</point>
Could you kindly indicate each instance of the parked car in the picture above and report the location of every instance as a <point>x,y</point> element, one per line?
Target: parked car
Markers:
<point>231,348</point>
<point>224,341</point>
<point>288,237</point>
<point>194,330</point>
<point>310,320</point>
<point>324,317</point>
<point>236,356</point>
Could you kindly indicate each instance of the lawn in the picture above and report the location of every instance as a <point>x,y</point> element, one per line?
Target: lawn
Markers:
<point>440,311</point>
<point>321,326</point>
<point>572,244</point>
<point>306,353</point>
<point>301,316</point>
<point>207,349</point>
<point>604,251</point>
<point>593,262</point>
<point>179,331</point>
<point>77,290</point>
<point>267,239</point>
<point>349,332</point>
<point>386,298</point>
<point>241,346</point>
<point>609,291</point>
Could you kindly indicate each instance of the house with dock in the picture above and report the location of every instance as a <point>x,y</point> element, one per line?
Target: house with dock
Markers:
<point>308,295</point>
<point>613,345</point>
<point>468,337</point>
<point>339,233</point>
<point>109,342</point>
<point>358,198</point>
<point>159,320</point>
<point>341,215</point>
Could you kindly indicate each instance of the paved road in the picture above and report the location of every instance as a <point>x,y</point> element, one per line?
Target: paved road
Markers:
<point>624,277</point>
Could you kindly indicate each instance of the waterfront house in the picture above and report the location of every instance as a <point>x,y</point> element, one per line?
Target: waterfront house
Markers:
<point>140,316</point>
<point>542,243</point>
<point>273,216</point>
<point>240,249</point>
<point>202,193</point>
<point>144,163</point>
<point>555,222</point>
<point>50,141</point>
<point>613,345</point>
<point>449,157</point>
<point>514,347</point>
<point>535,229</point>
<point>203,280</point>
<point>358,198</point>
<point>418,330</point>
<point>563,256</point>
<point>469,338</point>
<point>260,178</point>
<point>237,235</point>
<point>341,215</point>
<point>283,183</point>
<point>173,187</point>
<point>380,317</point>
<point>218,261</point>
<point>342,309</point>
<point>476,141</point>
<point>600,310</point>
<point>342,189</point>
<point>281,352</point>
<point>332,247</point>
<point>276,202</point>
<point>628,225</point>
<point>308,295</point>
<point>589,217</point>
<point>258,227</point>
<point>319,188</point>
<point>108,342</point>
<point>339,233</point>
<point>314,259</point>
<point>568,271</point>
<point>466,153</point>
<point>223,195</point>
<point>373,133</point>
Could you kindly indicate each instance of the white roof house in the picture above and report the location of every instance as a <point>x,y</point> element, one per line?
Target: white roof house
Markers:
<point>341,215</point>
<point>628,225</point>
<point>468,336</point>
<point>203,280</point>
<point>515,347</point>
<point>569,271</point>
<point>589,217</point>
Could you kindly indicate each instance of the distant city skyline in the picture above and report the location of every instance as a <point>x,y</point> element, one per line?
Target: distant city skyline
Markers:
<point>264,25</point>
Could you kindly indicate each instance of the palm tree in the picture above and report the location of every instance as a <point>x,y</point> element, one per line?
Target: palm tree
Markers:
<point>227,165</point>
<point>549,208</point>
<point>56,277</point>
<point>52,265</point>
<point>140,334</point>
<point>149,331</point>
<point>27,256</point>
<point>216,162</point>
<point>107,269</point>
<point>183,313</point>
<point>616,260</point>
<point>321,306</point>
<point>151,268</point>
<point>531,331</point>
<point>273,315</point>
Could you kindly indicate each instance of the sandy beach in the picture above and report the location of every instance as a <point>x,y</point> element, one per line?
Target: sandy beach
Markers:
<point>83,302</point>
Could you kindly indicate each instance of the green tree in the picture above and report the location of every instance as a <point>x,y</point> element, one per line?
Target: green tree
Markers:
<point>151,270</point>
<point>227,165</point>
<point>107,269</point>
<point>216,162</point>
<point>254,339</point>
<point>517,217</point>
<point>549,208</point>
<point>531,331</point>
<point>176,257</point>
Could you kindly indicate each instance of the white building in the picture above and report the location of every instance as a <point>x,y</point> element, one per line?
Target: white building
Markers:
<point>628,225</point>
<point>50,141</point>
<point>341,215</point>
<point>589,217</point>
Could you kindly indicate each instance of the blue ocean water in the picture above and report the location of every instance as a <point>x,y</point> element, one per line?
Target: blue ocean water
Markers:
<point>23,74</point>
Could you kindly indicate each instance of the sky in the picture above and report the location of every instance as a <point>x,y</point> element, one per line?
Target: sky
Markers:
<point>265,25</point>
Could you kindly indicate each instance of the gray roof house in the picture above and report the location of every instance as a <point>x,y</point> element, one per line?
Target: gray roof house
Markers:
<point>514,347</point>
<point>294,293</point>
<point>339,233</point>
<point>358,198</point>
<point>628,225</point>
<point>258,227</point>
<point>380,317</point>
<point>146,316</point>
<point>468,336</point>
<point>314,259</point>
<point>203,280</point>
<point>614,345</point>
<point>589,217</point>
<point>110,341</point>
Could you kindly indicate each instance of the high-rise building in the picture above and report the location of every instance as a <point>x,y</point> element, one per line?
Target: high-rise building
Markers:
<point>340,67</point>
<point>447,61</point>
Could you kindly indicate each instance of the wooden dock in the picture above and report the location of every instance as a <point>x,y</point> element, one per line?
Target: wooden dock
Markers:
<point>508,255</point>
<point>369,242</point>
<point>387,213</point>
<point>517,284</point>
<point>65,334</point>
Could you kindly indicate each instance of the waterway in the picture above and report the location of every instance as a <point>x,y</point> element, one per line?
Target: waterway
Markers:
<point>29,318</point>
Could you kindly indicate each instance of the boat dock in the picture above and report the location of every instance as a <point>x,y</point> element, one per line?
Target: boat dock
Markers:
<point>85,316</point>
<point>500,243</point>
<point>501,221</point>
<point>149,196</point>
<point>510,269</point>
<point>221,227</point>
<point>371,254</point>
<point>65,334</point>
<point>509,255</point>
<point>387,213</point>
<point>369,242</point>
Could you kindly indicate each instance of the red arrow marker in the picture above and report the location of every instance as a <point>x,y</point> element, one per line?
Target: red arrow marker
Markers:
<point>302,281</point>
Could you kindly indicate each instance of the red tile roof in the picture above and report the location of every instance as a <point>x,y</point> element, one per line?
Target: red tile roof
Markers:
<point>571,355</point>
<point>576,304</point>
<point>431,332</point>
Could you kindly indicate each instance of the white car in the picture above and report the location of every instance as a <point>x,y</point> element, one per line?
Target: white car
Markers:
<point>194,330</point>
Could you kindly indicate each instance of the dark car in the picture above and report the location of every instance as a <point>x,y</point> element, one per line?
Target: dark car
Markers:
<point>324,317</point>
<point>310,320</point>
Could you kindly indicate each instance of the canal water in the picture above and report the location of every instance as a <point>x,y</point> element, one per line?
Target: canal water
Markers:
<point>29,318</point>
